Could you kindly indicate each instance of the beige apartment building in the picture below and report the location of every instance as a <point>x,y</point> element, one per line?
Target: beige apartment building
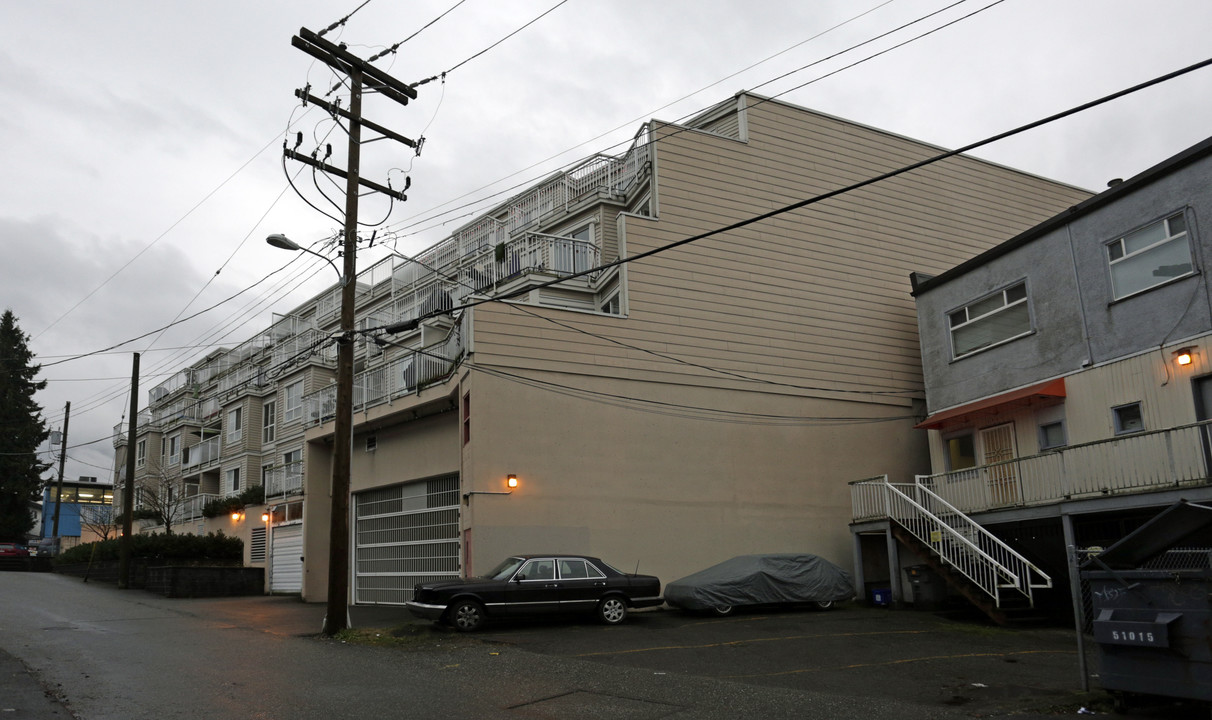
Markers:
<point>665,413</point>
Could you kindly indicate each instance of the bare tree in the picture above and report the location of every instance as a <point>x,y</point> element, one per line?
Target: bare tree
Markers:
<point>159,498</point>
<point>98,520</point>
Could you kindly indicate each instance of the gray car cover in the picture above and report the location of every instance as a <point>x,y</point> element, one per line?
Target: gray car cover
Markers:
<point>761,580</point>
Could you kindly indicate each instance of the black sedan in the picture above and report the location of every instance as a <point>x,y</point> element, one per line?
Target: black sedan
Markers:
<point>526,585</point>
<point>762,580</point>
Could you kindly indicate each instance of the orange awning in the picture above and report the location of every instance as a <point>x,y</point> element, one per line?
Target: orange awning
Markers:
<point>1022,397</point>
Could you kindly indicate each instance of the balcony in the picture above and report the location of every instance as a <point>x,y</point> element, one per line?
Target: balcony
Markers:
<point>1139,463</point>
<point>284,481</point>
<point>190,508</point>
<point>200,456</point>
<point>401,376</point>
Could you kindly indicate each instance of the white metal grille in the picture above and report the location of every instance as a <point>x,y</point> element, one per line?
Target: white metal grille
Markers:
<point>404,535</point>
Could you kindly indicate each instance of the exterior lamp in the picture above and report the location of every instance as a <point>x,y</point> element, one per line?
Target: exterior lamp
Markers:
<point>237,516</point>
<point>280,241</point>
<point>511,480</point>
<point>264,517</point>
<point>1183,356</point>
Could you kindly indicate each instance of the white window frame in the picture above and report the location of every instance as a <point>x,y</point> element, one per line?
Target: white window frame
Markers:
<point>292,413</point>
<point>235,425</point>
<point>231,479</point>
<point>141,453</point>
<point>962,318</point>
<point>269,422</point>
<point>1043,444</point>
<point>1118,254</point>
<point>968,433</point>
<point>174,449</point>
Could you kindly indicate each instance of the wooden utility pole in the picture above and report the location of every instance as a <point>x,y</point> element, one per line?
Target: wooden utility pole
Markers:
<point>67,414</point>
<point>128,487</point>
<point>361,75</point>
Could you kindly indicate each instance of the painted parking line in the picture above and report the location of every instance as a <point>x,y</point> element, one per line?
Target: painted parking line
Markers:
<point>885,663</point>
<point>733,643</point>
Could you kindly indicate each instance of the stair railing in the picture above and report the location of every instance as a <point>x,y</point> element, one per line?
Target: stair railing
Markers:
<point>974,552</point>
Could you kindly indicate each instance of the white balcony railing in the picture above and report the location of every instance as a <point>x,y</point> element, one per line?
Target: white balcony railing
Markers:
<point>190,508</point>
<point>283,481</point>
<point>1141,462</point>
<point>399,377</point>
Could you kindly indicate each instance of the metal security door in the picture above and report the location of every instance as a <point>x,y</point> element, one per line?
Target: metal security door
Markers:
<point>286,559</point>
<point>405,535</point>
<point>997,445</point>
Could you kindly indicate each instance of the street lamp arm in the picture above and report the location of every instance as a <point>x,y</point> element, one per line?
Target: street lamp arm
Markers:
<point>279,240</point>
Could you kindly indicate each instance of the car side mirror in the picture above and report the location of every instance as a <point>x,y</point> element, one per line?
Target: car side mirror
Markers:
<point>519,578</point>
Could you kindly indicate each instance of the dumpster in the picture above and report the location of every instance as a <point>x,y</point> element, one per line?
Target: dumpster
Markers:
<point>1152,614</point>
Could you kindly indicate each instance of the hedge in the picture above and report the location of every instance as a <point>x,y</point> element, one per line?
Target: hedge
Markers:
<point>215,546</point>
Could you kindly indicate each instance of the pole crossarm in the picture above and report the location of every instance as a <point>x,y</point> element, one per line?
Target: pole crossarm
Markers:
<point>338,57</point>
<point>334,110</point>
<point>308,160</point>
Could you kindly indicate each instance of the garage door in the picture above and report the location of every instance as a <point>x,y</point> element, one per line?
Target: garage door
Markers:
<point>404,535</point>
<point>286,564</point>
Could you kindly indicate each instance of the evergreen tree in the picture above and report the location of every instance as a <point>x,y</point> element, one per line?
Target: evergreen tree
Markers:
<point>22,432</point>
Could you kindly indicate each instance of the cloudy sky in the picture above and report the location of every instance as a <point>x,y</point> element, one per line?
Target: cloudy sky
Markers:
<point>143,138</point>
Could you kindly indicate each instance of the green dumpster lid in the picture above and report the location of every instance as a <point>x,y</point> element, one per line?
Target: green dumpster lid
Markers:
<point>1169,528</point>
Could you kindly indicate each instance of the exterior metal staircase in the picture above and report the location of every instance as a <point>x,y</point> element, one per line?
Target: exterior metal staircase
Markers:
<point>976,563</point>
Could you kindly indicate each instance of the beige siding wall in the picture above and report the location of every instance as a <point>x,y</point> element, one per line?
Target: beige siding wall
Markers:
<point>641,484</point>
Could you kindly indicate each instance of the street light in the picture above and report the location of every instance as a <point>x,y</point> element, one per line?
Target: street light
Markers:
<point>337,615</point>
<point>279,240</point>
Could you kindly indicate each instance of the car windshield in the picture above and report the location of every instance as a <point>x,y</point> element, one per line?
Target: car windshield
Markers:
<point>506,569</point>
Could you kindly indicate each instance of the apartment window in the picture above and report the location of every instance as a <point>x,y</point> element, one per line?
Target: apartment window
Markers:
<point>233,481</point>
<point>1128,419</point>
<point>174,450</point>
<point>141,453</point>
<point>292,457</point>
<point>961,451</point>
<point>294,402</point>
<point>1052,435</point>
<point>467,418</point>
<point>235,425</point>
<point>269,420</point>
<point>611,306</point>
<point>1151,256</point>
<point>267,474</point>
<point>994,319</point>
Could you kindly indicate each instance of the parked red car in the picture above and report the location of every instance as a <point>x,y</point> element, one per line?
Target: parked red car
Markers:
<point>13,550</point>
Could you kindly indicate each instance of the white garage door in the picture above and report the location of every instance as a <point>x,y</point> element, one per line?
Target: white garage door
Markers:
<point>404,535</point>
<point>286,559</point>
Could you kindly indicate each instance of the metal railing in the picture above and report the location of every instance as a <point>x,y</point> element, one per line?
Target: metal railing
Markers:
<point>283,481</point>
<point>190,508</point>
<point>401,376</point>
<point>1140,462</point>
<point>988,562</point>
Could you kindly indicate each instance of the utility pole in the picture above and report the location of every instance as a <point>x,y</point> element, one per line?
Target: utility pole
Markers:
<point>67,414</point>
<point>128,487</point>
<point>361,75</point>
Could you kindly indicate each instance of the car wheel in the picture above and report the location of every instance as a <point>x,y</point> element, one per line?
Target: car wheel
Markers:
<point>467,615</point>
<point>722,610</point>
<point>612,610</point>
<point>823,604</point>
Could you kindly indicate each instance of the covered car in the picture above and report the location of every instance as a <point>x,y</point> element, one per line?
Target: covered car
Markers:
<point>774,579</point>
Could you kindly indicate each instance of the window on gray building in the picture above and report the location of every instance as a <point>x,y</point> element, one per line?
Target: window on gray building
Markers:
<point>1150,256</point>
<point>993,319</point>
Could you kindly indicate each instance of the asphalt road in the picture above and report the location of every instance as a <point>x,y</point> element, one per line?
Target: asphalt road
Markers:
<point>69,649</point>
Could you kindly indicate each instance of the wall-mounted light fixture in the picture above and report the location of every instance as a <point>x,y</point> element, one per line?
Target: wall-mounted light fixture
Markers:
<point>237,516</point>
<point>1184,355</point>
<point>264,517</point>
<point>511,481</point>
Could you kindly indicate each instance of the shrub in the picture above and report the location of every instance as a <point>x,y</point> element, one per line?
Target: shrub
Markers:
<point>254,495</point>
<point>215,546</point>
